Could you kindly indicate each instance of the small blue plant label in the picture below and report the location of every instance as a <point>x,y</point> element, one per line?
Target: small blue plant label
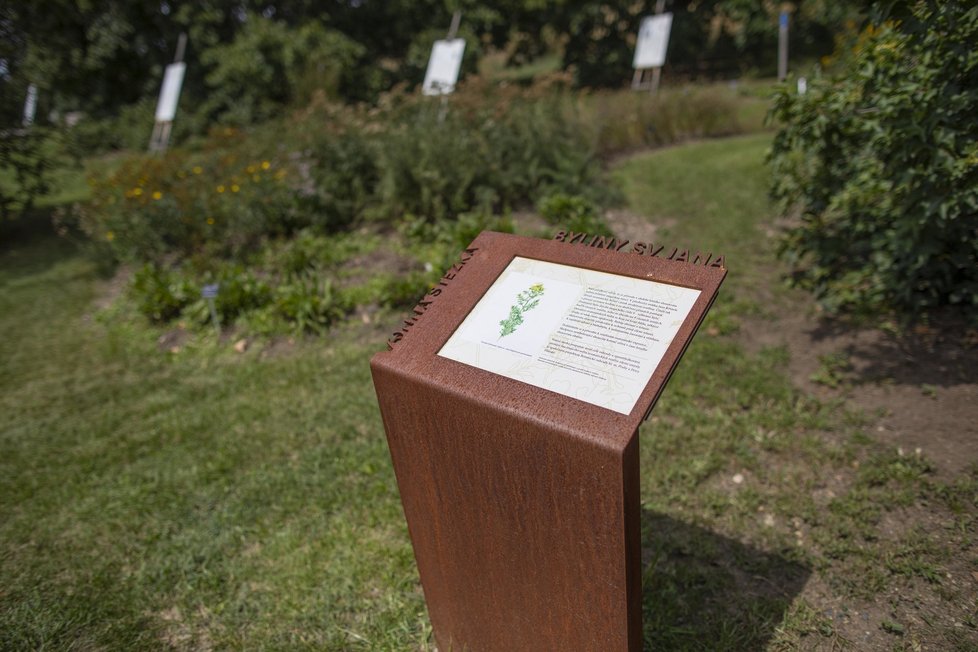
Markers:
<point>210,291</point>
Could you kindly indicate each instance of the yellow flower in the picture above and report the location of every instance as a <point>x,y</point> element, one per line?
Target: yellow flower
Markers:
<point>198,169</point>
<point>210,220</point>
<point>110,236</point>
<point>136,192</point>
<point>157,195</point>
<point>537,287</point>
<point>220,189</point>
<point>265,165</point>
<point>251,169</point>
<point>235,187</point>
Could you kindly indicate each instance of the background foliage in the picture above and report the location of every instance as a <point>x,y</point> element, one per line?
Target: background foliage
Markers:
<point>98,57</point>
<point>881,163</point>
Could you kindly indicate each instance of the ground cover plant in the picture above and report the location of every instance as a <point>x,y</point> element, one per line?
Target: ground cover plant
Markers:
<point>198,497</point>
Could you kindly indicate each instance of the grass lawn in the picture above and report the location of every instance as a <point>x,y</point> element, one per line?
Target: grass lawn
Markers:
<point>215,500</point>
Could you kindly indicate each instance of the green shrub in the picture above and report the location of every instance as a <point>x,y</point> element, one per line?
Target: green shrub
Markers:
<point>220,202</point>
<point>25,168</point>
<point>574,213</point>
<point>270,64</point>
<point>309,303</point>
<point>161,294</point>
<point>882,165</point>
<point>287,285</point>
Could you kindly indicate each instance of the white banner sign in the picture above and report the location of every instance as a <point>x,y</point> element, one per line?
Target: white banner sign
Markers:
<point>653,39</point>
<point>30,105</point>
<point>166,108</point>
<point>443,67</point>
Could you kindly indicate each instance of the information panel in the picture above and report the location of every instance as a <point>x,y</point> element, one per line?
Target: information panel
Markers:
<point>653,39</point>
<point>443,67</point>
<point>166,108</point>
<point>589,335</point>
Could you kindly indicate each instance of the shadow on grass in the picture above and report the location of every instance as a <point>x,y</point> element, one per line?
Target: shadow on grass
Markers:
<point>941,352</point>
<point>703,591</point>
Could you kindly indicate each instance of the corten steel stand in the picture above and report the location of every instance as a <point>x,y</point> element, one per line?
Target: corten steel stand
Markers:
<point>522,504</point>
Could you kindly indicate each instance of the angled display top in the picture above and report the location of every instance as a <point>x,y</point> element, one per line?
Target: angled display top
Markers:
<point>578,331</point>
<point>582,333</point>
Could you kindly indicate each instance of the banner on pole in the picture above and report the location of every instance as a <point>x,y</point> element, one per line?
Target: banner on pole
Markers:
<point>443,67</point>
<point>30,105</point>
<point>166,108</point>
<point>653,40</point>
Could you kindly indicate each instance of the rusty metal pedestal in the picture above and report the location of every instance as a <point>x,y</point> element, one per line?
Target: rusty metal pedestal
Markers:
<point>522,504</point>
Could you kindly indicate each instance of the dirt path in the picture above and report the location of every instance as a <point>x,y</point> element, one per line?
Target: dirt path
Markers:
<point>920,388</point>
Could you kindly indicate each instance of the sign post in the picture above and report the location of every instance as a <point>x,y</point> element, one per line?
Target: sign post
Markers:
<point>783,19</point>
<point>511,400</point>
<point>209,293</point>
<point>650,49</point>
<point>166,107</point>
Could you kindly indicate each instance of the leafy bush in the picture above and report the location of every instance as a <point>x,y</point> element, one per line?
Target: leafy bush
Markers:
<point>151,208</point>
<point>439,243</point>
<point>25,167</point>
<point>289,285</point>
<point>489,148</point>
<point>882,165</point>
<point>160,293</point>
<point>574,213</point>
<point>269,64</point>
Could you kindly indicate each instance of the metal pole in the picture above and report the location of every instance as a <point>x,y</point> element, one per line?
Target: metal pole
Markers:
<point>453,30</point>
<point>452,33</point>
<point>181,47</point>
<point>783,45</point>
<point>214,318</point>
<point>660,6</point>
<point>656,76</point>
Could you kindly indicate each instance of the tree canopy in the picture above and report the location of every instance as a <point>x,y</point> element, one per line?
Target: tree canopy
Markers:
<point>247,56</point>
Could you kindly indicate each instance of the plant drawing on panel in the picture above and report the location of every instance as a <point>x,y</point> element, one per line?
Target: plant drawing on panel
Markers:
<point>526,300</point>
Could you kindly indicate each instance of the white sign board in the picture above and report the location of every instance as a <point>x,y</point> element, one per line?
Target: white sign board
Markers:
<point>443,67</point>
<point>166,108</point>
<point>589,335</point>
<point>30,105</point>
<point>653,39</point>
